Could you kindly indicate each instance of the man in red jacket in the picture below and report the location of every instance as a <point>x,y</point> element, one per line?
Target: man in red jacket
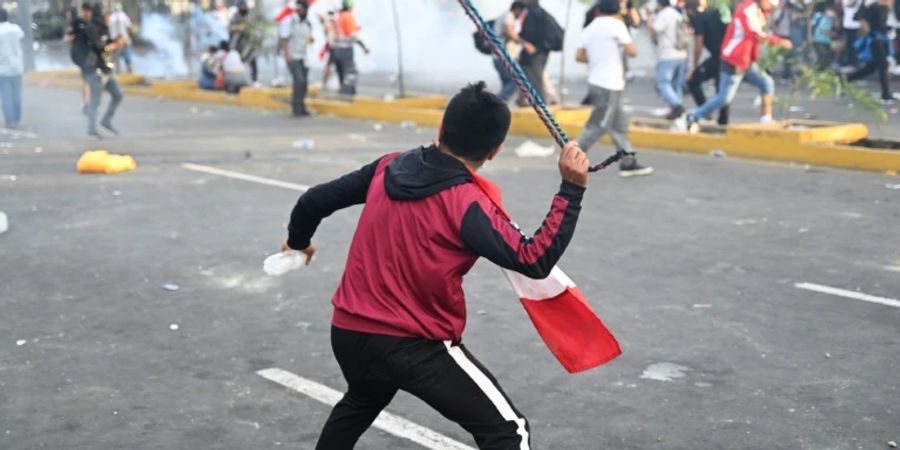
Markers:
<point>740,51</point>
<point>399,311</point>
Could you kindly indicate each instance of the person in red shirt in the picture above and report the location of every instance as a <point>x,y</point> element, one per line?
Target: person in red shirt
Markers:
<point>740,51</point>
<point>399,311</point>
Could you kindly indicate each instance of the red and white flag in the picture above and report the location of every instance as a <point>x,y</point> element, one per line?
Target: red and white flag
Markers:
<point>559,311</point>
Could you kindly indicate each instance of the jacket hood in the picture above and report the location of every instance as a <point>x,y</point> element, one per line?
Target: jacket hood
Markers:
<point>423,172</point>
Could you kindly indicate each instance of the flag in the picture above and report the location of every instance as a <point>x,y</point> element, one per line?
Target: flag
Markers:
<point>559,310</point>
<point>288,10</point>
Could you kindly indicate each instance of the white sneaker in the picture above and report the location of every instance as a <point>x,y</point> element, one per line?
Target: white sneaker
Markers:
<point>679,124</point>
<point>766,119</point>
<point>895,70</point>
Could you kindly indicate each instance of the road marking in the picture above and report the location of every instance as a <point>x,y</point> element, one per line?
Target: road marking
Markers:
<point>245,177</point>
<point>386,421</point>
<point>848,294</point>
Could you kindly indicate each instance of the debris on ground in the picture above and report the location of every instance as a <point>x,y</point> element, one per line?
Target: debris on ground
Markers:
<point>8,177</point>
<point>378,127</point>
<point>101,161</point>
<point>116,193</point>
<point>21,342</point>
<point>4,222</point>
<point>38,150</point>
<point>796,109</point>
<point>531,149</point>
<point>717,153</point>
<point>407,124</point>
<point>481,312</point>
<point>304,144</point>
<point>803,230</point>
<point>389,97</point>
<point>195,110</point>
<point>173,326</point>
<point>743,222</point>
<point>702,306</point>
<point>171,287</point>
<point>828,355</point>
<point>892,444</point>
<point>893,187</point>
<point>890,173</point>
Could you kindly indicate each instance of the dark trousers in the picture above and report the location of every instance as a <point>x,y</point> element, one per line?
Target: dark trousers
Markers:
<point>706,71</point>
<point>345,65</point>
<point>849,56</point>
<point>442,374</point>
<point>823,55</point>
<point>299,73</point>
<point>879,63</point>
<point>254,69</point>
<point>533,66</point>
<point>96,86</point>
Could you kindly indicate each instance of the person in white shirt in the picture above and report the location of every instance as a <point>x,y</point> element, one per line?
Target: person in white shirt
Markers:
<point>11,68</point>
<point>601,46</point>
<point>233,69</point>
<point>295,33</point>
<point>119,25</point>
<point>671,69</point>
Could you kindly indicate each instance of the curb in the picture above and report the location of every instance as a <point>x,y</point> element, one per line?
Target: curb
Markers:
<point>809,142</point>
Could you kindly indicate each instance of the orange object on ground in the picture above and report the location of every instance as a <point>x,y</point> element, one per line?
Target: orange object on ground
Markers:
<point>101,161</point>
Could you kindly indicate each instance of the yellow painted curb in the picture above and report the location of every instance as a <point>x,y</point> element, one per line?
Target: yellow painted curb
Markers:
<point>811,142</point>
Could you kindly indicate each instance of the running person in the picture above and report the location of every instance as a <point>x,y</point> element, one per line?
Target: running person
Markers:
<point>399,310</point>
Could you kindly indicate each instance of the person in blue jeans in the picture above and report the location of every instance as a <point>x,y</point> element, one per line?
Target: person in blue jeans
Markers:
<point>11,68</point>
<point>505,28</point>
<point>730,79</point>
<point>672,52</point>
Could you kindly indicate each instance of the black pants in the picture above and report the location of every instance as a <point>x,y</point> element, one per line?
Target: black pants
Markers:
<point>533,66</point>
<point>345,65</point>
<point>299,72</point>
<point>444,375</point>
<point>707,70</point>
<point>849,56</point>
<point>879,63</point>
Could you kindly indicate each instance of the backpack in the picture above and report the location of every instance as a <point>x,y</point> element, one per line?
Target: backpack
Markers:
<point>683,34</point>
<point>480,42</point>
<point>554,35</point>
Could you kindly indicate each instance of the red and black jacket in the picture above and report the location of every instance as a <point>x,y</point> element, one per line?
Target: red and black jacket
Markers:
<point>423,226</point>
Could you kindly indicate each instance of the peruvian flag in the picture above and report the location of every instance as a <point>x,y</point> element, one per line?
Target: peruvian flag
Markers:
<point>559,311</point>
<point>288,10</point>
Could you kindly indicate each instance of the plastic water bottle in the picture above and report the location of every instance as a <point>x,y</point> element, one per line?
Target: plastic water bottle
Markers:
<point>284,262</point>
<point>305,144</point>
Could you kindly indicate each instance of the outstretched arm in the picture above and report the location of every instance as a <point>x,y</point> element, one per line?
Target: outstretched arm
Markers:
<point>322,200</point>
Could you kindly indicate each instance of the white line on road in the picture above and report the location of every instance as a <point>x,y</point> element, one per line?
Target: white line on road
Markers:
<point>848,294</point>
<point>245,177</point>
<point>388,422</point>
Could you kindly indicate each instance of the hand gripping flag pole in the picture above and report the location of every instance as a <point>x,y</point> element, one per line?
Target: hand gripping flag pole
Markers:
<point>556,307</point>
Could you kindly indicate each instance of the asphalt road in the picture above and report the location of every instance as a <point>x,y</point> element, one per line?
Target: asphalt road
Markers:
<point>693,268</point>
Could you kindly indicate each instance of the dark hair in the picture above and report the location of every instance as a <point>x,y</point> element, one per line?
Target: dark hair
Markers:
<point>223,45</point>
<point>4,16</point>
<point>212,49</point>
<point>87,6</point>
<point>663,3</point>
<point>608,7</point>
<point>475,122</point>
<point>517,5</point>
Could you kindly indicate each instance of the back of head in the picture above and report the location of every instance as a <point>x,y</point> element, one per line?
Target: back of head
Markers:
<point>517,6</point>
<point>608,7</point>
<point>223,45</point>
<point>4,16</point>
<point>475,123</point>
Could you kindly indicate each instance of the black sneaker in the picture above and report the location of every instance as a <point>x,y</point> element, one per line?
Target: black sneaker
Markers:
<point>108,126</point>
<point>632,168</point>
<point>675,113</point>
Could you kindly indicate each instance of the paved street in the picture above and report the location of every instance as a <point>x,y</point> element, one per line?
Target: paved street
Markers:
<point>693,268</point>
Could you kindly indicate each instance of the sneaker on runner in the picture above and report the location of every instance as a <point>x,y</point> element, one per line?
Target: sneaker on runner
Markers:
<point>692,126</point>
<point>680,124</point>
<point>766,119</point>
<point>675,113</point>
<point>634,169</point>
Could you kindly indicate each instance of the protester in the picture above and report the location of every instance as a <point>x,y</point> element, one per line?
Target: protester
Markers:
<point>210,67</point>
<point>342,51</point>
<point>505,27</point>
<point>601,46</point>
<point>399,312</point>
<point>851,31</point>
<point>119,25</point>
<point>328,29</point>
<point>740,51</point>
<point>709,31</point>
<point>295,32</point>
<point>873,48</point>
<point>241,39</point>
<point>894,23</point>
<point>667,28</point>
<point>821,31</point>
<point>89,48</point>
<point>234,72</point>
<point>11,69</point>
<point>536,39</point>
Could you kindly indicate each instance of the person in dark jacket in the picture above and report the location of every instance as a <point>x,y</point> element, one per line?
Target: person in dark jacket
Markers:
<point>709,31</point>
<point>532,37</point>
<point>399,311</point>
<point>88,52</point>
<point>873,48</point>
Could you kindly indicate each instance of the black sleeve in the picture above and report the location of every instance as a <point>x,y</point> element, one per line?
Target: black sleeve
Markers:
<point>491,235</point>
<point>322,200</point>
